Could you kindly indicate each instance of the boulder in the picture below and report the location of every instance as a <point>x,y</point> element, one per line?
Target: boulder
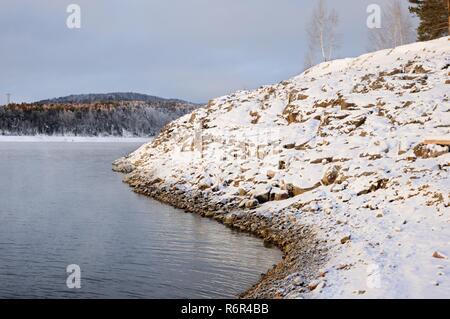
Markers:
<point>277,194</point>
<point>331,175</point>
<point>430,150</point>
<point>295,190</point>
<point>262,193</point>
<point>251,203</point>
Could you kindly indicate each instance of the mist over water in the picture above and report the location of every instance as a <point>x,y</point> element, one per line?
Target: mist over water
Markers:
<point>61,204</point>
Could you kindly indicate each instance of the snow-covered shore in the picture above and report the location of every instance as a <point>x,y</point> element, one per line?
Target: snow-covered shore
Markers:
<point>73,139</point>
<point>345,167</point>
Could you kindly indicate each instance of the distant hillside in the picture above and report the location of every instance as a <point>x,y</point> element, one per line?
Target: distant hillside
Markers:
<point>93,115</point>
<point>109,97</point>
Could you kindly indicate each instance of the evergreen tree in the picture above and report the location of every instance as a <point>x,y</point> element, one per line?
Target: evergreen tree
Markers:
<point>433,15</point>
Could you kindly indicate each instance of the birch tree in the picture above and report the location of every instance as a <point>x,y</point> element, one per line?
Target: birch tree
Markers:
<point>322,35</point>
<point>396,27</point>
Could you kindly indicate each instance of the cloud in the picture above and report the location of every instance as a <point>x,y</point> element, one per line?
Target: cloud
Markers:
<point>190,49</point>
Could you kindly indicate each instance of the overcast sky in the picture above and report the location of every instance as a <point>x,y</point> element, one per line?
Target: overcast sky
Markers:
<point>188,49</point>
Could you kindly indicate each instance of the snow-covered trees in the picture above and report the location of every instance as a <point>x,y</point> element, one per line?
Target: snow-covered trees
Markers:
<point>92,119</point>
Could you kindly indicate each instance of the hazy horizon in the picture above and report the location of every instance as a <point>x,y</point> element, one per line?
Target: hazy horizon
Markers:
<point>190,50</point>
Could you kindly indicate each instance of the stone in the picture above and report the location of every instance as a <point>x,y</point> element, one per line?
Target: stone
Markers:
<point>298,281</point>
<point>242,191</point>
<point>251,203</point>
<point>430,150</point>
<point>331,174</point>
<point>229,219</point>
<point>289,146</point>
<point>262,193</point>
<point>203,186</point>
<point>439,255</point>
<point>295,190</point>
<point>313,285</point>
<point>345,239</point>
<point>322,273</point>
<point>270,174</point>
<point>279,195</point>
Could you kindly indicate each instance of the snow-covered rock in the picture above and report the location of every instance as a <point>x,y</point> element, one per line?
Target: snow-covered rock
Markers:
<point>335,149</point>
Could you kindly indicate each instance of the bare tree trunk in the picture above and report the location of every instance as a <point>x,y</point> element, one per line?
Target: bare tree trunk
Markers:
<point>322,37</point>
<point>397,28</point>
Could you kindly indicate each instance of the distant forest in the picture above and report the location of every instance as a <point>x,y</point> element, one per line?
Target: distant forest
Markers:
<point>113,118</point>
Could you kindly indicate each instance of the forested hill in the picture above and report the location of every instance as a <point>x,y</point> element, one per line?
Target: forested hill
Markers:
<point>93,115</point>
<point>110,97</point>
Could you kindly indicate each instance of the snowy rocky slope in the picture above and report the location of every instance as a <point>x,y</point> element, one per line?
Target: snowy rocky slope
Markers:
<point>331,166</point>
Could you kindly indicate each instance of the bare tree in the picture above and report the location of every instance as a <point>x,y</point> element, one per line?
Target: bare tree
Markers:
<point>322,35</point>
<point>397,27</point>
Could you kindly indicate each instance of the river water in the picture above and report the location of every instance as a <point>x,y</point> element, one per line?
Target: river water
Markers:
<point>60,204</point>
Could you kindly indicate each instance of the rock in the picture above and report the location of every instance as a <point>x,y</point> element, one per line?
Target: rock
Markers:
<point>262,193</point>
<point>229,219</point>
<point>123,166</point>
<point>209,214</point>
<point>322,273</point>
<point>435,283</point>
<point>205,183</point>
<point>289,146</point>
<point>261,153</point>
<point>242,191</point>
<point>281,165</point>
<point>430,150</point>
<point>331,174</point>
<point>295,190</point>
<point>251,203</point>
<point>277,194</point>
<point>345,239</point>
<point>298,281</point>
<point>439,255</point>
<point>380,214</point>
<point>203,186</point>
<point>374,186</point>
<point>270,174</point>
<point>313,285</point>
<point>343,267</point>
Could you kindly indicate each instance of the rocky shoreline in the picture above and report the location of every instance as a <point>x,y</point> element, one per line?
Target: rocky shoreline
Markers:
<point>344,167</point>
<point>303,253</point>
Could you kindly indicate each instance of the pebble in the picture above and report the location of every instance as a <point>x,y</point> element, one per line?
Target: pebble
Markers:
<point>439,255</point>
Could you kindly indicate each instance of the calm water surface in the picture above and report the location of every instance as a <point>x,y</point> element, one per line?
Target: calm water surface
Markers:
<point>61,204</point>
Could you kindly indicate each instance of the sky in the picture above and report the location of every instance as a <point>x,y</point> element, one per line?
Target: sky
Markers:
<point>189,49</point>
